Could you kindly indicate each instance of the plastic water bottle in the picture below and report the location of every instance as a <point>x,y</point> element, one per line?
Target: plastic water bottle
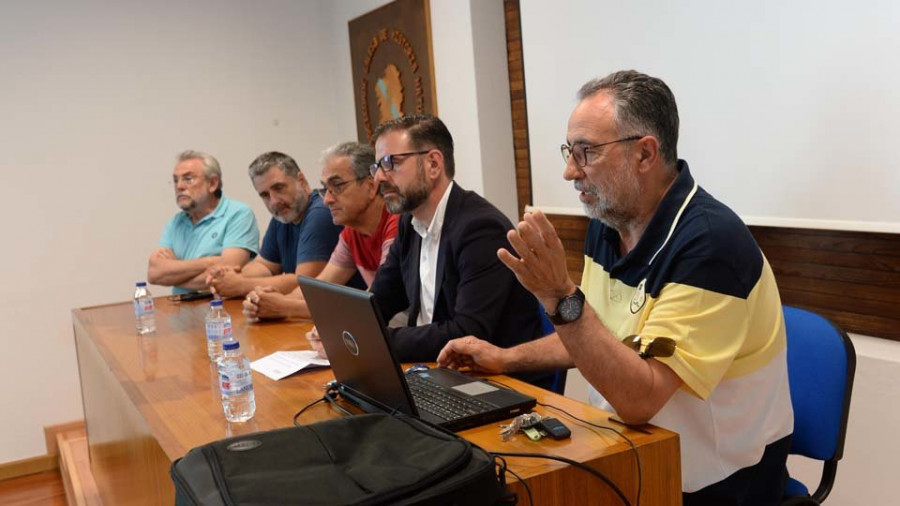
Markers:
<point>144,311</point>
<point>236,384</point>
<point>218,329</point>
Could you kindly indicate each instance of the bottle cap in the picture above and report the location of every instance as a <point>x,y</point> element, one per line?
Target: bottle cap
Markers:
<point>231,345</point>
<point>141,283</point>
<point>215,303</point>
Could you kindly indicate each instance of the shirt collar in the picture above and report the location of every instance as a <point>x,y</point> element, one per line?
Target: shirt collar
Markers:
<point>658,229</point>
<point>217,212</point>
<point>437,221</point>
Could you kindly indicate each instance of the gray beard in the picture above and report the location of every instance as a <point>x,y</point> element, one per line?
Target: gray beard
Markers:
<point>616,215</point>
<point>602,210</point>
<point>295,214</point>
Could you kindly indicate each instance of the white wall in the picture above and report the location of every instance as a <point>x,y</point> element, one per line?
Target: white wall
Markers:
<point>493,109</point>
<point>96,99</point>
<point>794,101</point>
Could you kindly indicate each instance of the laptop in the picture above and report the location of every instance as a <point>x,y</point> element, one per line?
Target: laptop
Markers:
<point>369,375</point>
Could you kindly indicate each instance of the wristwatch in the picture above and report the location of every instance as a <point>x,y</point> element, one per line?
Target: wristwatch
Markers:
<point>568,309</point>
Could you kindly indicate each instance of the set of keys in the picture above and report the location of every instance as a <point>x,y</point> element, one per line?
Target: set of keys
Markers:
<point>535,427</point>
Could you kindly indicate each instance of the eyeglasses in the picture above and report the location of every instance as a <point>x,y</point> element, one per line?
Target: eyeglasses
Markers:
<point>579,151</point>
<point>387,163</point>
<point>336,188</point>
<point>657,347</point>
<point>188,180</point>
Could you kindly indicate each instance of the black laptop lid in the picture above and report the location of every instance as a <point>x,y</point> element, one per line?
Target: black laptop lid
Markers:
<point>351,330</point>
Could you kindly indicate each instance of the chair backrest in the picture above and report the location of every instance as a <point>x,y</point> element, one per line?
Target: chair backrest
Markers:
<point>821,366</point>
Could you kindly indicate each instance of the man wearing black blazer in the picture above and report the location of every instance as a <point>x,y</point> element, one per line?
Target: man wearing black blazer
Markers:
<point>443,266</point>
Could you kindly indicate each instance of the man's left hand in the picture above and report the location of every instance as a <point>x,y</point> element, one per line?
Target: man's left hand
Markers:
<point>270,303</point>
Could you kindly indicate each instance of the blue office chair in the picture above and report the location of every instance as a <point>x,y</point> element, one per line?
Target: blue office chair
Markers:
<point>821,365</point>
<point>559,378</point>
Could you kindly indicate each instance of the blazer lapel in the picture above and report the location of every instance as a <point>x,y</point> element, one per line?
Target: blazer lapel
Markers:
<point>414,280</point>
<point>446,233</point>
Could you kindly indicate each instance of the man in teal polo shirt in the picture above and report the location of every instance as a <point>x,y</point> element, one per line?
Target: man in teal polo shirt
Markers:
<point>210,230</point>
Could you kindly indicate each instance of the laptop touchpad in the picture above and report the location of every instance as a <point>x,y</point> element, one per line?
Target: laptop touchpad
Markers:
<point>475,388</point>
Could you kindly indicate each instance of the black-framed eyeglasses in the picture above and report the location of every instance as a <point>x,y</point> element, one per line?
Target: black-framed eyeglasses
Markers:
<point>579,151</point>
<point>387,163</point>
<point>337,188</point>
<point>656,347</point>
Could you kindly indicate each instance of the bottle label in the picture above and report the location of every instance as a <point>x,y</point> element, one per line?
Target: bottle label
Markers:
<point>218,330</point>
<point>233,380</point>
<point>143,306</point>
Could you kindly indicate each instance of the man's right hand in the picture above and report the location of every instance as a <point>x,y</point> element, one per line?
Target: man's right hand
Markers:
<point>476,354</point>
<point>316,343</point>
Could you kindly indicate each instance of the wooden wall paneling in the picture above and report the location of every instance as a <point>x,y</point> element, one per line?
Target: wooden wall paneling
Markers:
<point>852,278</point>
<point>517,99</point>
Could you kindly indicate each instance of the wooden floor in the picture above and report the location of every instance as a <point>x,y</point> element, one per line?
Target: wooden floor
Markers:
<point>73,478</point>
<point>42,488</point>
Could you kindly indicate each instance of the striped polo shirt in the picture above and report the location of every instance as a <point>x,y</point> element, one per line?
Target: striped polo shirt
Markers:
<point>697,276</point>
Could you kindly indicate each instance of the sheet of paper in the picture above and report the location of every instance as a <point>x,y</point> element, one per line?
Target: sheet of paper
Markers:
<point>282,364</point>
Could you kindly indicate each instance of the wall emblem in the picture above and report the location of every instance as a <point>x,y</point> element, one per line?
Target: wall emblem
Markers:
<point>390,50</point>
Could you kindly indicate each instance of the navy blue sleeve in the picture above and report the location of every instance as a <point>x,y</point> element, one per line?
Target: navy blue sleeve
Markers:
<point>270,250</point>
<point>319,234</point>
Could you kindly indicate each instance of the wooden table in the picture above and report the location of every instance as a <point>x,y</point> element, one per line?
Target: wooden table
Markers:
<point>149,399</point>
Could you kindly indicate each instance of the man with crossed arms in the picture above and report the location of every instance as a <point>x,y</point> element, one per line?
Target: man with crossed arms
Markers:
<point>211,229</point>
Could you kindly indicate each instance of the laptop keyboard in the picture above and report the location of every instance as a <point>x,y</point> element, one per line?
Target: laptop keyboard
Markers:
<point>442,402</point>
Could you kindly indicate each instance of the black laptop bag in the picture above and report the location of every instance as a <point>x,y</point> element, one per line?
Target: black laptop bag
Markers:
<point>370,459</point>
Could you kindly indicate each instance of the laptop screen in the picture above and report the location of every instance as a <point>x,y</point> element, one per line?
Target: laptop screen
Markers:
<point>352,333</point>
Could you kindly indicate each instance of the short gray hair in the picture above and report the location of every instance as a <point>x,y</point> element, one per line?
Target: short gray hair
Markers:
<point>210,165</point>
<point>362,156</point>
<point>266,161</point>
<point>644,105</point>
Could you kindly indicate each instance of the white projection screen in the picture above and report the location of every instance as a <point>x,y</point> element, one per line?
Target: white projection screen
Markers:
<point>789,109</point>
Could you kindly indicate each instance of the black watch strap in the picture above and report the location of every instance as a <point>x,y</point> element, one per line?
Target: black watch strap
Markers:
<point>568,309</point>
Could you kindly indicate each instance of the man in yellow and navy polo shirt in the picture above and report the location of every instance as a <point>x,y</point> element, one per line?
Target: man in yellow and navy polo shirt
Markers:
<point>665,263</point>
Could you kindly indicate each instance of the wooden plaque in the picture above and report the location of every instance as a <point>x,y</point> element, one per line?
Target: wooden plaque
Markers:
<point>390,51</point>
